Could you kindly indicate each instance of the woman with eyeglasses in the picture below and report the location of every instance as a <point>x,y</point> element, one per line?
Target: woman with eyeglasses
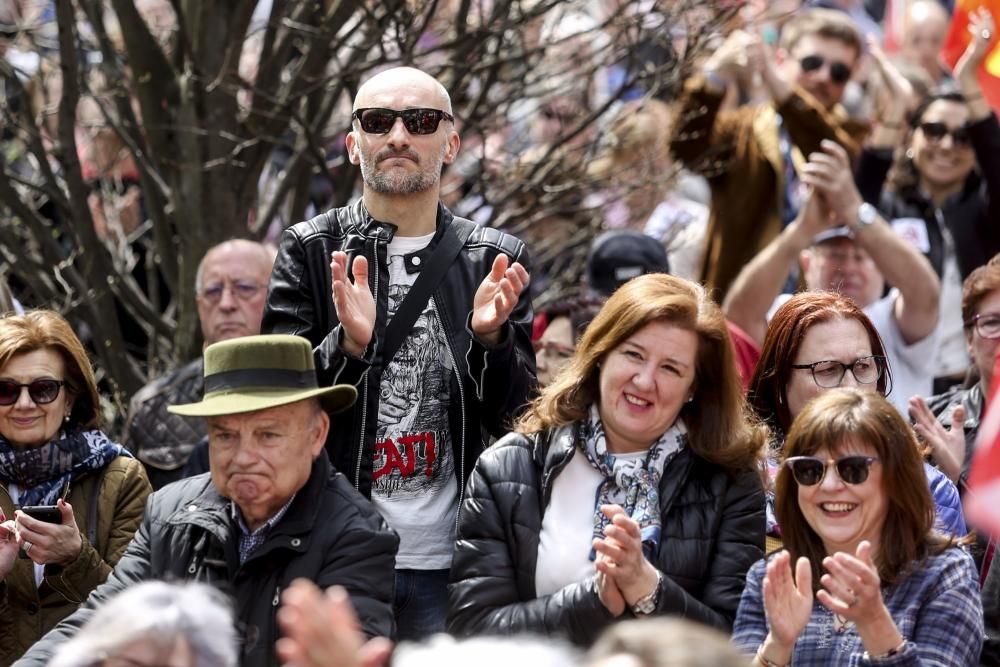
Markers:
<point>71,497</point>
<point>629,488</point>
<point>944,196</point>
<point>864,577</point>
<point>815,342</point>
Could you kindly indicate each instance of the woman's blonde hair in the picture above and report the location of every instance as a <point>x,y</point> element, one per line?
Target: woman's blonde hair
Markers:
<point>717,418</point>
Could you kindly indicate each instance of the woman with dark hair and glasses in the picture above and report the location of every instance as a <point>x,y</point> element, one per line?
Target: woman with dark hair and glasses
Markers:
<point>72,497</point>
<point>815,342</point>
<point>864,578</point>
<point>944,195</point>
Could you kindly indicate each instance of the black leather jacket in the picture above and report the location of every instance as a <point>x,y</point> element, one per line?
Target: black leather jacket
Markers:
<point>490,383</point>
<point>329,535</point>
<point>713,531</point>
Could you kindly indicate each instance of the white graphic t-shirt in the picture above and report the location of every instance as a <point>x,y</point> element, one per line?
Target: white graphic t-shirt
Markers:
<point>413,470</point>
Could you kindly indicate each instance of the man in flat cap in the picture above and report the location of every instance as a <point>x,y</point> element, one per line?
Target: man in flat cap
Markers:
<point>271,510</point>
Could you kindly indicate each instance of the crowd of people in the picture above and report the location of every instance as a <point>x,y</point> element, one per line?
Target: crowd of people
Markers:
<point>745,439</point>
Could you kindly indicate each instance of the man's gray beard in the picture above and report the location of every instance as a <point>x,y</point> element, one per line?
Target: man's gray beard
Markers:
<point>398,184</point>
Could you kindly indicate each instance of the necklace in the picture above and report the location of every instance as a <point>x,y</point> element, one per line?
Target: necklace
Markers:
<point>841,624</point>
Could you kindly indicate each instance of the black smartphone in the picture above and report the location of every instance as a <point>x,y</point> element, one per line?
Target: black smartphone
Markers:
<point>46,513</point>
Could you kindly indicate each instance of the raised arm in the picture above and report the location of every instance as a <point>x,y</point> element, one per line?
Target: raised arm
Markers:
<point>902,265</point>
<point>761,280</point>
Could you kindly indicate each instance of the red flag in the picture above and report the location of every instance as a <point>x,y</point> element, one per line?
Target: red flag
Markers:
<point>982,498</point>
<point>958,39</point>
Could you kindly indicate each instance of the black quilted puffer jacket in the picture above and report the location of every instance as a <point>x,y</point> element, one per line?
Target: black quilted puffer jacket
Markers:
<point>713,531</point>
<point>489,384</point>
<point>161,440</point>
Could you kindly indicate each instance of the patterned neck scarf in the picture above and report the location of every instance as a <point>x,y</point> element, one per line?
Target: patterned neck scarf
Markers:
<point>634,482</point>
<point>43,472</point>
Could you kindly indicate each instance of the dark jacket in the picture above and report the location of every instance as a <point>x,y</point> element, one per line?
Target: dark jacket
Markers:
<point>329,535</point>
<point>107,506</point>
<point>970,216</point>
<point>972,400</point>
<point>161,440</point>
<point>713,531</point>
<point>490,383</point>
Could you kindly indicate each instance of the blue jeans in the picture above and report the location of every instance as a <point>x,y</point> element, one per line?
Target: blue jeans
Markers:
<point>421,604</point>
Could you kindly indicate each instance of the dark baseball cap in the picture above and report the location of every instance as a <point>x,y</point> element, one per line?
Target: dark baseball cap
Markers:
<point>618,256</point>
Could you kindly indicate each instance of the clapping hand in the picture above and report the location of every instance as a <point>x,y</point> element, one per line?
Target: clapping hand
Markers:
<point>496,298</point>
<point>321,630</point>
<point>896,93</point>
<point>851,587</point>
<point>829,172</point>
<point>622,558</point>
<point>947,444</point>
<point>353,301</point>
<point>787,602</point>
<point>981,29</point>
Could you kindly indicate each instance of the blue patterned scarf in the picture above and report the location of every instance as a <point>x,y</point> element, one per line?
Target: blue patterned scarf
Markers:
<point>42,472</point>
<point>633,483</point>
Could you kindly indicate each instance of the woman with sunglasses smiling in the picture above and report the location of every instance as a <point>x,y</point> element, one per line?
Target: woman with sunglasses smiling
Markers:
<point>864,577</point>
<point>52,453</point>
<point>816,342</point>
<point>945,194</point>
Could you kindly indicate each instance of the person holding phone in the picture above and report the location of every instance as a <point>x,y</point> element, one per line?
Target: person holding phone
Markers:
<point>71,496</point>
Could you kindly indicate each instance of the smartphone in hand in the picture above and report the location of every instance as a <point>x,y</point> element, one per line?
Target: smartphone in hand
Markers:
<point>46,513</point>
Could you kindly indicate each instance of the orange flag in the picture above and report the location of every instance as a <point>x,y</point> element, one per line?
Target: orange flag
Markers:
<point>958,38</point>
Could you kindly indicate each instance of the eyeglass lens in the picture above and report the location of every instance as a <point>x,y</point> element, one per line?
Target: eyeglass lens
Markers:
<point>829,374</point>
<point>839,72</point>
<point>936,131</point>
<point>988,326</point>
<point>241,290</point>
<point>810,470</point>
<point>416,121</point>
<point>40,391</point>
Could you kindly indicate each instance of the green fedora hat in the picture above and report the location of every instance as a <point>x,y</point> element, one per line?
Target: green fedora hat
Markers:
<point>259,372</point>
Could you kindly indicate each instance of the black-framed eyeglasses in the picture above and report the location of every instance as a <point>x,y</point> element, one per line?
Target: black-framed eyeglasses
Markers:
<point>987,325</point>
<point>810,470</point>
<point>936,131</point>
<point>42,391</point>
<point>241,290</point>
<point>416,121</point>
<point>839,72</point>
<point>830,373</point>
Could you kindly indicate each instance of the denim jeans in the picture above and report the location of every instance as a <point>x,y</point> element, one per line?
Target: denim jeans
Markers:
<point>421,604</point>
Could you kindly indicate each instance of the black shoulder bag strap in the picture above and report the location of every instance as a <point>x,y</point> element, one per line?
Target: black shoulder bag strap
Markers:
<point>430,277</point>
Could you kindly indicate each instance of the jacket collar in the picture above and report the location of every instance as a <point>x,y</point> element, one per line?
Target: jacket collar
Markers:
<point>376,229</point>
<point>210,510</point>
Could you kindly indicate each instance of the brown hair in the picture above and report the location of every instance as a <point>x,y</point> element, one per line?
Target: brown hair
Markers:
<point>46,329</point>
<point>977,286</point>
<point>718,428</point>
<point>826,23</point>
<point>667,642</point>
<point>834,420</point>
<point>785,334</point>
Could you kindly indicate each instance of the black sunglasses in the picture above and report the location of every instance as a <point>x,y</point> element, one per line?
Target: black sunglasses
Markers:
<point>40,391</point>
<point>416,121</point>
<point>810,470</point>
<point>839,72</point>
<point>936,131</point>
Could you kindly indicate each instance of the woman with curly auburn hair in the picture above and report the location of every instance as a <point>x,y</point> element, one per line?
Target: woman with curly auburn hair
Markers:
<point>630,487</point>
<point>857,520</point>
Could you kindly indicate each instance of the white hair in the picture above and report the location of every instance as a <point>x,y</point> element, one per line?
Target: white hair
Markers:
<point>445,651</point>
<point>161,613</point>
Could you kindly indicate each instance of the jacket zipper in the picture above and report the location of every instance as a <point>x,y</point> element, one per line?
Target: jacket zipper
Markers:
<point>364,391</point>
<point>461,404</point>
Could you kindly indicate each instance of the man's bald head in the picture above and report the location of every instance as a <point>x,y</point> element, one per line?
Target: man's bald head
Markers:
<point>231,285</point>
<point>403,80</point>
<point>926,28</point>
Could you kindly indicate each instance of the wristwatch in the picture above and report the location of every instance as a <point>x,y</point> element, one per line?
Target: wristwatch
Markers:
<point>646,605</point>
<point>867,215</point>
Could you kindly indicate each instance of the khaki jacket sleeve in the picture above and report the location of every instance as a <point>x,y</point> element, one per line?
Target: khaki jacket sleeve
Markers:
<point>122,500</point>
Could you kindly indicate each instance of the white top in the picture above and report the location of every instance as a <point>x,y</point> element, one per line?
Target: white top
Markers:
<point>567,534</point>
<point>413,469</point>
